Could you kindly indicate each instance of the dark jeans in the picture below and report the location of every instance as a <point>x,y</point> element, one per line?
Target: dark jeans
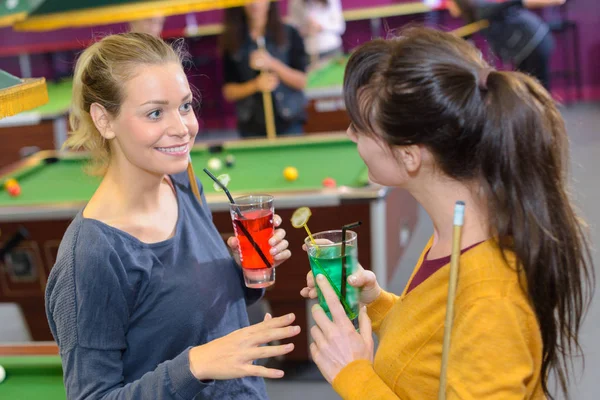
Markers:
<point>296,128</point>
<point>537,64</point>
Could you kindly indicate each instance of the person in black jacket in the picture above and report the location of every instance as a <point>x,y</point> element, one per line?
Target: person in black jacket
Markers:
<point>515,34</point>
<point>284,61</point>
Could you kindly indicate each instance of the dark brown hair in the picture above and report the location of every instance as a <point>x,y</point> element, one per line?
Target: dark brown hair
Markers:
<point>236,28</point>
<point>423,88</point>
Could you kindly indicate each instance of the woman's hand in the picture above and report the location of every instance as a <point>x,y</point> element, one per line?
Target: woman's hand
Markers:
<point>278,244</point>
<point>232,356</point>
<point>266,82</point>
<point>362,279</point>
<point>336,344</point>
<point>261,60</point>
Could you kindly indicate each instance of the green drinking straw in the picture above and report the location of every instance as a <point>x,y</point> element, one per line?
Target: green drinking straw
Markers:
<point>344,278</point>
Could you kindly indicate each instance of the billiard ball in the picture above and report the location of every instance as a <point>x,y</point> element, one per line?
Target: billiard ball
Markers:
<point>215,164</point>
<point>229,161</point>
<point>329,183</point>
<point>290,173</point>
<point>10,182</point>
<point>14,190</point>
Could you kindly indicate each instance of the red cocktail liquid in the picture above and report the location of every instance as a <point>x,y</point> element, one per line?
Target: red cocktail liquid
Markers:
<point>259,224</point>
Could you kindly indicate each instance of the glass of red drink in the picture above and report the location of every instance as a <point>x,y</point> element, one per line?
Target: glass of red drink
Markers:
<point>252,218</point>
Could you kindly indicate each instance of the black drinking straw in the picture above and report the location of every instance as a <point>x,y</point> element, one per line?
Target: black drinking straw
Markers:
<point>344,278</point>
<point>238,222</point>
<point>218,182</point>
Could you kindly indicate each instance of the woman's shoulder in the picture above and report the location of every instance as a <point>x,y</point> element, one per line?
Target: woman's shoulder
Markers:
<point>488,271</point>
<point>85,244</point>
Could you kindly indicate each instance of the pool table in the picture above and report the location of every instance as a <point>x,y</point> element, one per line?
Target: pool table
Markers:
<point>33,371</point>
<point>43,128</point>
<point>46,127</point>
<point>54,188</point>
<point>326,111</point>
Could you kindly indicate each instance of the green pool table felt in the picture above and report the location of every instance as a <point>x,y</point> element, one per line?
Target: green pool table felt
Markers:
<point>330,74</point>
<point>59,93</point>
<point>257,168</point>
<point>32,377</point>
<point>59,99</point>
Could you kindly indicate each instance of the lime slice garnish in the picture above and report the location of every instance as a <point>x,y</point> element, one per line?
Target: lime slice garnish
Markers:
<point>300,217</point>
<point>224,179</point>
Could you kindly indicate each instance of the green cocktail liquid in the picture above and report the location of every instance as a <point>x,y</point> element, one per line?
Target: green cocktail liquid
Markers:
<point>327,261</point>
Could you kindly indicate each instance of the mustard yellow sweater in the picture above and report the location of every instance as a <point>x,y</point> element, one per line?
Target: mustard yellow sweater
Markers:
<point>496,346</point>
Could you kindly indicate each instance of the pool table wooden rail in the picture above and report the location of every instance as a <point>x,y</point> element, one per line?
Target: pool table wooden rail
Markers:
<point>29,349</point>
<point>389,216</point>
<point>288,198</point>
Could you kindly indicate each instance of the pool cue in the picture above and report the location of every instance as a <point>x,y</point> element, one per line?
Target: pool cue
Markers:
<point>267,98</point>
<point>459,216</point>
<point>471,28</point>
<point>193,182</point>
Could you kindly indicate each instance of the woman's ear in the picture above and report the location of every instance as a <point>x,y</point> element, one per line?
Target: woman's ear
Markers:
<point>102,121</point>
<point>411,157</point>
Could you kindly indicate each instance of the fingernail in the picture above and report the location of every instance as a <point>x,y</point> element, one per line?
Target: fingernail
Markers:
<point>352,279</point>
<point>279,373</point>
<point>272,242</point>
<point>290,316</point>
<point>296,329</point>
<point>289,346</point>
<point>273,250</point>
<point>320,277</point>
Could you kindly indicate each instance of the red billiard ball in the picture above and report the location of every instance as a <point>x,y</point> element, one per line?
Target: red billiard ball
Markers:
<point>14,190</point>
<point>329,183</point>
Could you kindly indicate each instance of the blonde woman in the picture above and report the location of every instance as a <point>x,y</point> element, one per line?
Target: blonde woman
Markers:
<point>145,300</point>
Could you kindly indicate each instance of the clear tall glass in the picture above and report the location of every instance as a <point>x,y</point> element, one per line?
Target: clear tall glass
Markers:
<point>336,261</point>
<point>252,218</point>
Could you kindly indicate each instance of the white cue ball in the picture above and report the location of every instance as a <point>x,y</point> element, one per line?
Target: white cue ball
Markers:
<point>215,164</point>
<point>2,374</point>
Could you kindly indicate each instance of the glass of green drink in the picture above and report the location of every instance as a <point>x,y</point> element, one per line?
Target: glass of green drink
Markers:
<point>325,257</point>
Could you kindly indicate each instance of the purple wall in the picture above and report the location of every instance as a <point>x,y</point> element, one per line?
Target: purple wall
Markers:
<point>206,75</point>
<point>586,13</point>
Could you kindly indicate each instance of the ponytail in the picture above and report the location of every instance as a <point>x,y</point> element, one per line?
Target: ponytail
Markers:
<point>524,159</point>
<point>84,135</point>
